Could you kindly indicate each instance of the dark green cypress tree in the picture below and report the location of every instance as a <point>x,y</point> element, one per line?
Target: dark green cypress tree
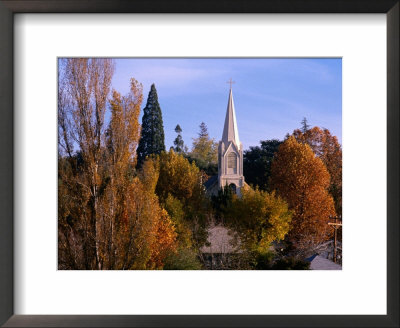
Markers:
<point>152,136</point>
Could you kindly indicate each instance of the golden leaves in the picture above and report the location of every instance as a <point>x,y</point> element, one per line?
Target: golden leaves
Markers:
<point>178,177</point>
<point>109,218</point>
<point>326,147</point>
<point>302,180</point>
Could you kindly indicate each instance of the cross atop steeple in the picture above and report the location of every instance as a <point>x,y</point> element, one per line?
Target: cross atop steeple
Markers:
<point>230,82</point>
<point>230,127</point>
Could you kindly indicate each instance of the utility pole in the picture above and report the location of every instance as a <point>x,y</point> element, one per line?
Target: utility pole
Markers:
<point>336,225</point>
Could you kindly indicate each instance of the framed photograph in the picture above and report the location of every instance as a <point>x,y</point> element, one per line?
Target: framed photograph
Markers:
<point>186,164</point>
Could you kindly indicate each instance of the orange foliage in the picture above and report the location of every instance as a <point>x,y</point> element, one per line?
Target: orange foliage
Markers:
<point>149,235</point>
<point>302,180</point>
<point>164,242</point>
<point>326,147</point>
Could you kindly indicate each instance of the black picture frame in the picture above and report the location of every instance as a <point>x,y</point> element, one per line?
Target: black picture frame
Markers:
<point>7,10</point>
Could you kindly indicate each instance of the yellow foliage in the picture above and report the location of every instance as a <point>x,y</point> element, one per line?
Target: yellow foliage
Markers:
<point>149,174</point>
<point>178,177</point>
<point>260,218</point>
<point>109,218</point>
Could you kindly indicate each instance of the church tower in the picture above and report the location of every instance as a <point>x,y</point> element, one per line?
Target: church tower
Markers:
<point>230,152</point>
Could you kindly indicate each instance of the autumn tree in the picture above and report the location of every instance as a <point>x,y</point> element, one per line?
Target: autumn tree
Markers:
<point>152,135</point>
<point>123,133</point>
<point>181,194</point>
<point>74,233</point>
<point>86,83</point>
<point>301,178</point>
<point>328,149</point>
<point>259,218</point>
<point>181,181</point>
<point>164,230</point>
<point>144,234</point>
<point>108,217</point>
<point>179,178</point>
<point>139,229</point>
<point>257,163</point>
<point>164,243</point>
<point>65,139</point>
<point>126,208</point>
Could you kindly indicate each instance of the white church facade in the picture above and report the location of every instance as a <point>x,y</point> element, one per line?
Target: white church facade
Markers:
<point>230,155</point>
<point>230,152</point>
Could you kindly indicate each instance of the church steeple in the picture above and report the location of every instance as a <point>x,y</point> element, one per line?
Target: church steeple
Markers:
<point>230,128</point>
<point>230,151</point>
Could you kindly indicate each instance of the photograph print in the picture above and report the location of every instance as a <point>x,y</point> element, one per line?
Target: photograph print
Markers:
<point>199,164</point>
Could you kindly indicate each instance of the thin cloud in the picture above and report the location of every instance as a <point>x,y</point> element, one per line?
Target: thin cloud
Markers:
<point>271,95</point>
<point>169,75</point>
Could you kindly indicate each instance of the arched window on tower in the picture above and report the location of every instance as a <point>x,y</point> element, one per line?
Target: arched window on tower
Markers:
<point>232,163</point>
<point>233,187</point>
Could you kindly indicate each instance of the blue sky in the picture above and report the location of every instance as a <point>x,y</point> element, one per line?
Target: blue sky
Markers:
<point>271,95</point>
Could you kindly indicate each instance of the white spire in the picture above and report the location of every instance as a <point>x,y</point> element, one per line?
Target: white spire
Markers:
<point>230,128</point>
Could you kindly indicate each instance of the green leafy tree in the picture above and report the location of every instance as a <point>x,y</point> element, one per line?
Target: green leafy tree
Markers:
<point>176,211</point>
<point>204,148</point>
<point>152,135</point>
<point>185,258</point>
<point>257,163</point>
<point>181,180</point>
<point>259,218</point>
<point>204,152</point>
